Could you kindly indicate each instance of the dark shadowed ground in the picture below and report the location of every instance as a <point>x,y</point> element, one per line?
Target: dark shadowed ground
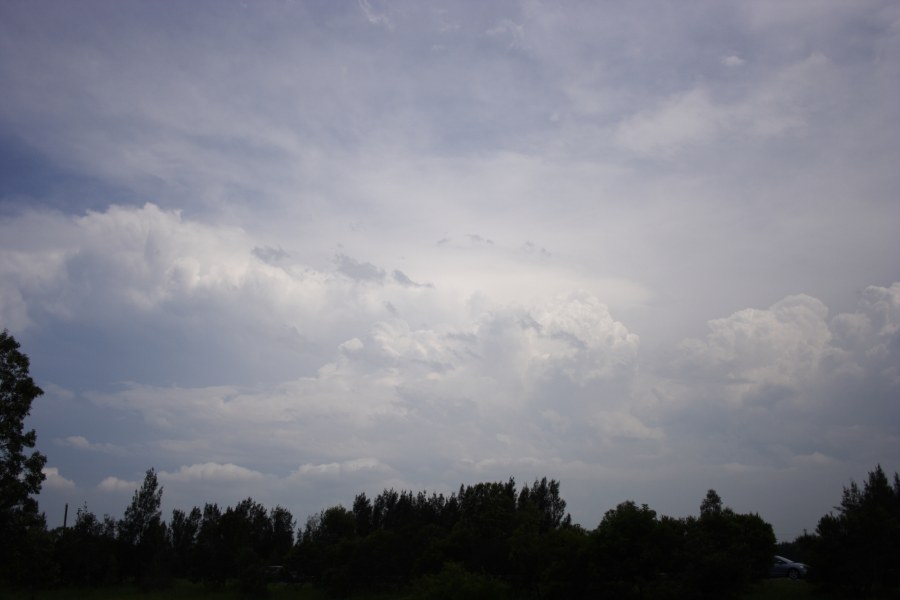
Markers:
<point>770,589</point>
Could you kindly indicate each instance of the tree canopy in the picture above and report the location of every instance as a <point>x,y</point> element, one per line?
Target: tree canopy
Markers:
<point>857,549</point>
<point>21,471</point>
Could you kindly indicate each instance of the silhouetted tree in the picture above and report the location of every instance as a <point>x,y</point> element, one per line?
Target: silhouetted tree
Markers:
<point>327,549</point>
<point>36,567</point>
<point>362,511</point>
<point>566,571</point>
<point>491,539</point>
<point>544,497</point>
<point>384,512</point>
<point>87,552</point>
<point>142,536</point>
<point>711,505</point>
<point>725,551</point>
<point>21,472</point>
<point>540,512</point>
<point>481,537</point>
<point>281,534</point>
<point>211,554</point>
<point>184,529</point>
<point>857,550</point>
<point>628,552</point>
<point>247,539</point>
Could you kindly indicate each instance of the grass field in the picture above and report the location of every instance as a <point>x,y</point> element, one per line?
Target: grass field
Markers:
<point>770,589</point>
<point>779,589</point>
<point>182,590</point>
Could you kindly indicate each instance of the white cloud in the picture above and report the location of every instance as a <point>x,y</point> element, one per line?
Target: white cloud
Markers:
<point>313,472</point>
<point>354,345</point>
<point>132,258</point>
<point>116,485</point>
<point>444,389</point>
<point>56,481</point>
<point>782,345</point>
<point>76,441</point>
<point>80,442</point>
<point>595,344</point>
<point>787,386</point>
<point>212,472</point>
<point>868,337</point>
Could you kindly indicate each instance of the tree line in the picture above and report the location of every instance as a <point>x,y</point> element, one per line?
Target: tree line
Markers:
<point>488,540</point>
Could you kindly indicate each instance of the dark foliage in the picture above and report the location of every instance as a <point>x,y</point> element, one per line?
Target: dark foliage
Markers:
<point>143,544</point>
<point>489,534</point>
<point>21,475</point>
<point>184,530</point>
<point>856,551</point>
<point>87,552</point>
<point>725,551</point>
<point>210,551</point>
<point>242,543</point>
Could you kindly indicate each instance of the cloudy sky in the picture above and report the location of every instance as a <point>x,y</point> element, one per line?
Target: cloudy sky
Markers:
<point>301,250</point>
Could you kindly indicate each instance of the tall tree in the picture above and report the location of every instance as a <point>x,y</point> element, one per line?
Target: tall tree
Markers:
<point>143,515</point>
<point>711,505</point>
<point>183,531</point>
<point>282,534</point>
<point>627,543</point>
<point>362,510</point>
<point>86,552</point>
<point>725,551</point>
<point>21,472</point>
<point>211,551</point>
<point>142,534</point>
<point>481,537</point>
<point>544,497</point>
<point>857,550</point>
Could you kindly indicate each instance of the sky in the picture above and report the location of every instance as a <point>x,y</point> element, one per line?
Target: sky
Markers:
<point>301,250</point>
